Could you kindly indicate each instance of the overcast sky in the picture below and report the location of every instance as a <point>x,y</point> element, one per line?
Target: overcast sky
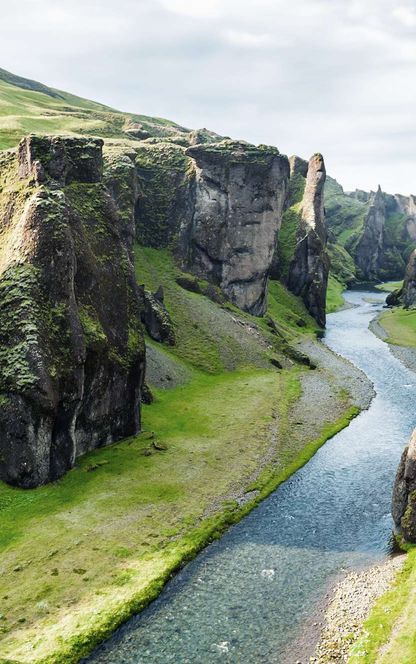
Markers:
<point>335,76</point>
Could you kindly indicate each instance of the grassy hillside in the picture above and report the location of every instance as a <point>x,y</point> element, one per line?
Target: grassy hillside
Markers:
<point>29,107</point>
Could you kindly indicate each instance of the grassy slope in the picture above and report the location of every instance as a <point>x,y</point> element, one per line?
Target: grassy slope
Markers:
<point>334,298</point>
<point>389,286</point>
<point>144,510</point>
<point>345,215</point>
<point>24,111</point>
<point>400,325</point>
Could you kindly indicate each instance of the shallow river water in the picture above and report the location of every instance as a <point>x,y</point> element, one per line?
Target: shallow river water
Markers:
<point>244,599</point>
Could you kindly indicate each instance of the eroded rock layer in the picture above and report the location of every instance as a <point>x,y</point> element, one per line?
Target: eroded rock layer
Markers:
<point>71,345</point>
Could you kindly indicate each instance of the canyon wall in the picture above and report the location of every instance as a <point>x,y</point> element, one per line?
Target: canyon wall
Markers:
<point>71,345</point>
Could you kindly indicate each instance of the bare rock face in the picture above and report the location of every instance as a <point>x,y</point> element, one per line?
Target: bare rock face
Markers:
<point>409,285</point>
<point>368,253</point>
<point>404,493</point>
<point>308,271</point>
<point>239,193</point>
<point>71,345</point>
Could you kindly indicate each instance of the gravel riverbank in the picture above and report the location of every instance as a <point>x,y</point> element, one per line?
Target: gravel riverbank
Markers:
<point>349,607</point>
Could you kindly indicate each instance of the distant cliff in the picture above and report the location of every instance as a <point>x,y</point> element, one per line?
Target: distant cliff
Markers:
<point>377,230</point>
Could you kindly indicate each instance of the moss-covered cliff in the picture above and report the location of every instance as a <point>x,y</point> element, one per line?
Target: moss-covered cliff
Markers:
<point>71,346</point>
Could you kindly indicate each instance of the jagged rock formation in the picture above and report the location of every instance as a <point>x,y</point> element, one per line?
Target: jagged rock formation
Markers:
<point>404,493</point>
<point>378,230</point>
<point>369,250</point>
<point>71,346</point>
<point>239,193</point>
<point>308,270</point>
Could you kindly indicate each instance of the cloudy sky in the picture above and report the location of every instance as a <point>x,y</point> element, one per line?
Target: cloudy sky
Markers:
<point>335,76</point>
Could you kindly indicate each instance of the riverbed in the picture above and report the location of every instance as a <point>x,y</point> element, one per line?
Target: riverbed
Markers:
<point>246,597</point>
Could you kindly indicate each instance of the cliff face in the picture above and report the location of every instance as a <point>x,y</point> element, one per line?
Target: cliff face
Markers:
<point>404,493</point>
<point>71,346</point>
<point>218,206</point>
<point>238,197</point>
<point>369,250</point>
<point>308,270</point>
<point>409,284</point>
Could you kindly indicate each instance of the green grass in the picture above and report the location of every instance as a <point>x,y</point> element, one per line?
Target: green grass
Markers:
<point>389,634</point>
<point>334,297</point>
<point>390,286</point>
<point>400,325</point>
<point>24,111</point>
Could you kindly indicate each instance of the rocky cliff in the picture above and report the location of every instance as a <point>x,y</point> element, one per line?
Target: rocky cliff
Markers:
<point>378,230</point>
<point>308,270</point>
<point>369,250</point>
<point>404,493</point>
<point>408,295</point>
<point>238,196</point>
<point>71,346</point>
<point>218,206</point>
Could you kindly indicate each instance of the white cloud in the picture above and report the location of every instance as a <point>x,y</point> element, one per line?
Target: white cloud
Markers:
<point>405,15</point>
<point>247,39</point>
<point>193,8</point>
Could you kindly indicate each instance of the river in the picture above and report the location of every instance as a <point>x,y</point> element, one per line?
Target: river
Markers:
<point>245,598</point>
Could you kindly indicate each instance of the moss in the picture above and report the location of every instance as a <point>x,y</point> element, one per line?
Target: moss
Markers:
<point>165,172</point>
<point>20,310</point>
<point>286,242</point>
<point>92,328</point>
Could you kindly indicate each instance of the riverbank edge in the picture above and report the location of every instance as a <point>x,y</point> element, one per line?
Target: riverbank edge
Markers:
<point>210,529</point>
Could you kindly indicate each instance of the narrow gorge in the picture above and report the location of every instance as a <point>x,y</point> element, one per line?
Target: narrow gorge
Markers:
<point>184,324</point>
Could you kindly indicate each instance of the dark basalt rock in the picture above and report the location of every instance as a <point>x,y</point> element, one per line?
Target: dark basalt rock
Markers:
<point>404,493</point>
<point>71,343</point>
<point>60,159</point>
<point>156,318</point>
<point>308,271</point>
